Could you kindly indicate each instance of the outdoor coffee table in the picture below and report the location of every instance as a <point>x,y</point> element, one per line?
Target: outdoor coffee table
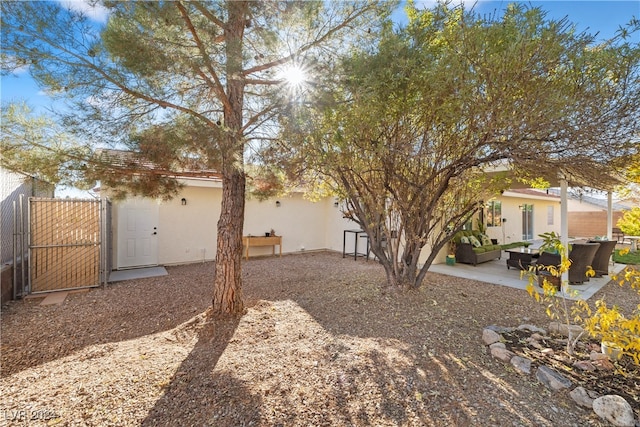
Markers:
<point>521,258</point>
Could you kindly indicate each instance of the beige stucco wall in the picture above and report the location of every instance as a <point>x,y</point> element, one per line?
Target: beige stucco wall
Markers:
<point>187,233</point>
<point>303,224</point>
<point>511,230</point>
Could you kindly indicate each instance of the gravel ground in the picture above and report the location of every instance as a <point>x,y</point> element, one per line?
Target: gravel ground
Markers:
<point>321,344</point>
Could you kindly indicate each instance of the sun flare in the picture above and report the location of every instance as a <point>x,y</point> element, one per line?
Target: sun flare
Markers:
<point>294,75</point>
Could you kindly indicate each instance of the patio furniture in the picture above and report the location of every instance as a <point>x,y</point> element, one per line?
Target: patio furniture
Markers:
<point>617,234</point>
<point>357,234</point>
<point>252,241</point>
<point>469,254</point>
<point>581,257</point>
<point>602,257</point>
<point>521,258</point>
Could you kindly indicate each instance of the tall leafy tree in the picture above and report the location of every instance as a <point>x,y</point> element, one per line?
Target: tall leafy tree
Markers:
<point>215,65</point>
<point>36,145</point>
<point>409,133</point>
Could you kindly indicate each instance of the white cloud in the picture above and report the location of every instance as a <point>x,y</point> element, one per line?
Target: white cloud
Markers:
<point>10,62</point>
<point>90,8</point>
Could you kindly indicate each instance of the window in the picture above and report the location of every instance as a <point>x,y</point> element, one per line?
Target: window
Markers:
<point>549,215</point>
<point>494,214</point>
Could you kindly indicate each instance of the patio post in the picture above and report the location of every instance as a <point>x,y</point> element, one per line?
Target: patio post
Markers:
<point>564,220</point>
<point>609,215</point>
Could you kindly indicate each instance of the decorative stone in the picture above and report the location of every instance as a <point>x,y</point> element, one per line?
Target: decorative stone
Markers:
<point>584,365</point>
<point>614,409</point>
<point>532,328</point>
<point>552,379</point>
<point>563,329</point>
<point>603,365</point>
<point>534,343</point>
<point>522,365</point>
<point>547,351</point>
<point>500,329</point>
<point>596,355</point>
<point>490,336</point>
<point>502,354</point>
<point>583,397</point>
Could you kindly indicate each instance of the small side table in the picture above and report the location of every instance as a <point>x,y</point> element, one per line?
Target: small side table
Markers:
<point>356,235</point>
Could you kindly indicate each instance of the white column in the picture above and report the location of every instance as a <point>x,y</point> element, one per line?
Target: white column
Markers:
<point>609,215</point>
<point>564,221</point>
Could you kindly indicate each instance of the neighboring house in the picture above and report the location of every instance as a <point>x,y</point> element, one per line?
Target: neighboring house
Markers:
<point>15,184</point>
<point>587,215</point>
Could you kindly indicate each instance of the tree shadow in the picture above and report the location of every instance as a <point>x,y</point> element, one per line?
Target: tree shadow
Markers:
<point>34,334</point>
<point>197,393</point>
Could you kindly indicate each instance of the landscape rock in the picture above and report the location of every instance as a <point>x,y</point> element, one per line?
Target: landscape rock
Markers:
<point>490,336</point>
<point>596,355</point>
<point>563,329</point>
<point>498,345</point>
<point>603,365</point>
<point>583,397</point>
<point>500,329</point>
<point>584,365</point>
<point>614,409</point>
<point>522,364</point>
<point>552,379</point>
<point>532,328</point>
<point>502,354</point>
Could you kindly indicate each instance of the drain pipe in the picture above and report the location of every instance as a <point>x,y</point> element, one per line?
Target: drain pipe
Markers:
<point>15,251</point>
<point>22,239</point>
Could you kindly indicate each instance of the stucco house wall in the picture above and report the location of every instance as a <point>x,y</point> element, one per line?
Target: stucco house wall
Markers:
<point>546,215</point>
<point>187,232</point>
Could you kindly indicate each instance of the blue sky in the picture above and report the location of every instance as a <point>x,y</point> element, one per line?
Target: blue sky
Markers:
<point>602,17</point>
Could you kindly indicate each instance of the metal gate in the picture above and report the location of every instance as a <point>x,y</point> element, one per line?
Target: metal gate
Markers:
<point>68,243</point>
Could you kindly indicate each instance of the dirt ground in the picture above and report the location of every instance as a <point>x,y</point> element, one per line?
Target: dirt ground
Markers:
<point>321,344</point>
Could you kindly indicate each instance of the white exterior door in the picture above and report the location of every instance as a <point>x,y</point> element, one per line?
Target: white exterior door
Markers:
<point>137,233</point>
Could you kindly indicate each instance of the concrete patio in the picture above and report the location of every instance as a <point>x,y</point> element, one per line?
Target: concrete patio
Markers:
<point>496,272</point>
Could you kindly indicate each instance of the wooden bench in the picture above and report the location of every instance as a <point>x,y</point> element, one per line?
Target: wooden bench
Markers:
<point>254,241</point>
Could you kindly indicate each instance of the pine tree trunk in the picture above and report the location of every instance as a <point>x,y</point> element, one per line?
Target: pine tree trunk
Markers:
<point>227,292</point>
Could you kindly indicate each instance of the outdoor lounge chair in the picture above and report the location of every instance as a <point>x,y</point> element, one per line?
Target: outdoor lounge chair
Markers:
<point>581,257</point>
<point>617,234</point>
<point>602,257</point>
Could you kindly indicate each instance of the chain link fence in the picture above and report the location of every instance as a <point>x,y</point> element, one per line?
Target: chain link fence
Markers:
<point>13,185</point>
